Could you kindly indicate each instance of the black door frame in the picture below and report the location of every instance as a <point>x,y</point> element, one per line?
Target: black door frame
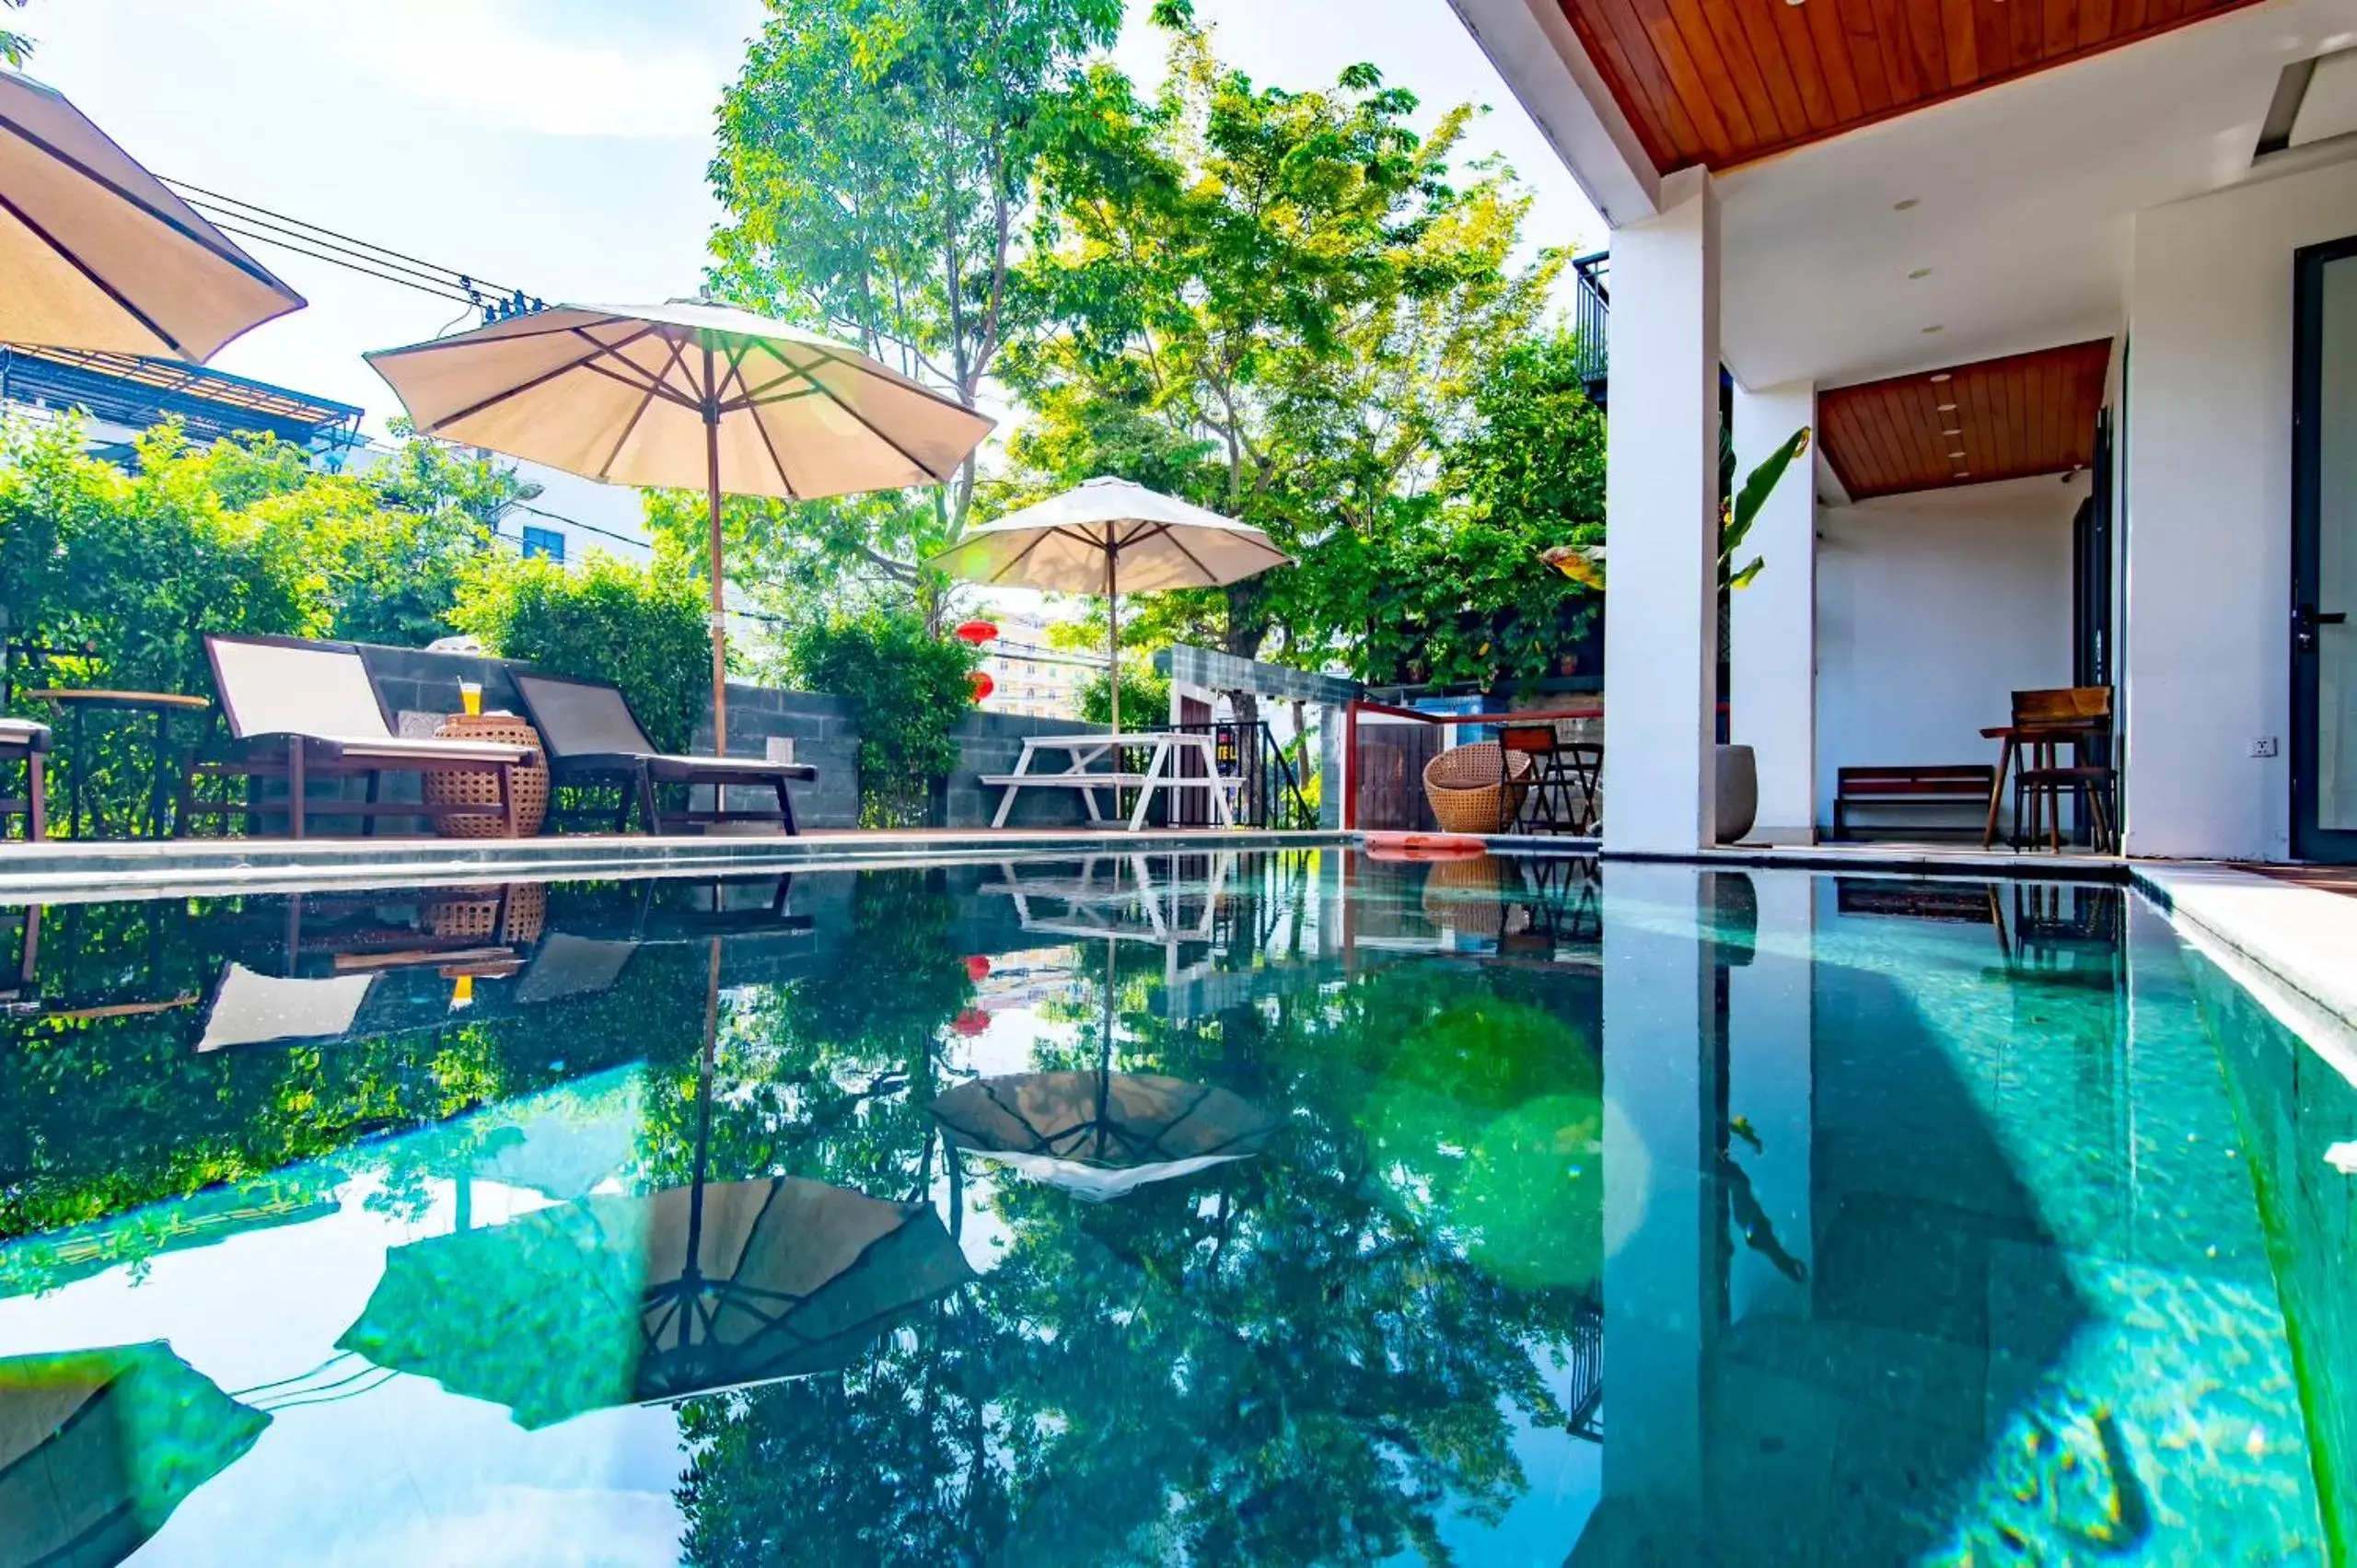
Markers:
<point>2308,840</point>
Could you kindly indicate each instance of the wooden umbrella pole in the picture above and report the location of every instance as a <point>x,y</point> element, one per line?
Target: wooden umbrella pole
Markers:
<point>712,568</point>
<point>1113,637</point>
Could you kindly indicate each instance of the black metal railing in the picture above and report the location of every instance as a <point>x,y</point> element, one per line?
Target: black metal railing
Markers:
<point>1271,794</point>
<point>1591,307</point>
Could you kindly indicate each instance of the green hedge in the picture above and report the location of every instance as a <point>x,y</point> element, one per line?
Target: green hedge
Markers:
<point>908,689</point>
<point>641,629</point>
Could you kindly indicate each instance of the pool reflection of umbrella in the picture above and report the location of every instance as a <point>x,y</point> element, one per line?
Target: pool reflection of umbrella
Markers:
<point>620,1300</point>
<point>98,1447</point>
<point>617,1300</point>
<point>1098,1134</point>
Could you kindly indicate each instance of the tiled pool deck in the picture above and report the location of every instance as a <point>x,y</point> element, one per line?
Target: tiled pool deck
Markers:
<point>2301,932</point>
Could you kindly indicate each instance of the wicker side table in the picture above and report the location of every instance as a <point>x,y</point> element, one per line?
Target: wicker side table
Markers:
<point>482,789</point>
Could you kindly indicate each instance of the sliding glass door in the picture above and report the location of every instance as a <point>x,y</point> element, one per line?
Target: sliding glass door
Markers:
<point>2324,558</point>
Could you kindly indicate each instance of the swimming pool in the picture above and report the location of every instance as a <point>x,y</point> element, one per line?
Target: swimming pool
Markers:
<point>1287,1208</point>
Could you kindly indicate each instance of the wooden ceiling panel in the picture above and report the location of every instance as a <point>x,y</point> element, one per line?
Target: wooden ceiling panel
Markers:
<point>1722,82</point>
<point>2025,414</point>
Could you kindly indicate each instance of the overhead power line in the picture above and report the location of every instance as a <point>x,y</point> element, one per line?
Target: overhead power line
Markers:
<point>251,221</point>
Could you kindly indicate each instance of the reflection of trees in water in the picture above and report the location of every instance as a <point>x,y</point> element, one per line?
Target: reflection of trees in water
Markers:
<point>107,1111</point>
<point>1310,1356</point>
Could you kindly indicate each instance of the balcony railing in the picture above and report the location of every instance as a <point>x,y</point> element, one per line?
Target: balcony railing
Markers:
<point>1592,303</point>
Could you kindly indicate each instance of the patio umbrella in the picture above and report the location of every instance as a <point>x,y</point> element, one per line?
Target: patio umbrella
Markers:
<point>687,395</point>
<point>98,1447</point>
<point>1110,537</point>
<point>99,254</point>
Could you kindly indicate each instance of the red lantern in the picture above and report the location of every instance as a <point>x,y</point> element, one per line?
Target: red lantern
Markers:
<point>983,684</point>
<point>972,1021</point>
<point>978,968</point>
<point>976,631</point>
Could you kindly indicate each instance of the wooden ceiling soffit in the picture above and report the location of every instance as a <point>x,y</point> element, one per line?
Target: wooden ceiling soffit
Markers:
<point>1722,82</point>
<point>2010,418</point>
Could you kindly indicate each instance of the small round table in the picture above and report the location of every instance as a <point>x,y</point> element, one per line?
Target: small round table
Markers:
<point>530,783</point>
<point>78,702</point>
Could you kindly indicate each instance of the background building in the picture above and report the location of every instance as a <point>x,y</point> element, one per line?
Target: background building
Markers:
<point>1031,678</point>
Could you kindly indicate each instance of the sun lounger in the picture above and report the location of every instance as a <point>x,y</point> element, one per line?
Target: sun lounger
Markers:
<point>592,738</point>
<point>302,709</point>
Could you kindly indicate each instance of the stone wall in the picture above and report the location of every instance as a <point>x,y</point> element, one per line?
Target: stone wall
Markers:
<point>421,687</point>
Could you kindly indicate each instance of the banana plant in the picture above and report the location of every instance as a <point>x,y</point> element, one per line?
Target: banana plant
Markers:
<point>1583,563</point>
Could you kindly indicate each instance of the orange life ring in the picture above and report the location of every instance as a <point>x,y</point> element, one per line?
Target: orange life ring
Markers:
<point>1425,846</point>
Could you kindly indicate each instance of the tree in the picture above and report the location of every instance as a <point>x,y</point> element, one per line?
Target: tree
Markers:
<point>876,158</point>
<point>1459,591</point>
<point>1275,304</point>
<point>15,47</point>
<point>908,690</point>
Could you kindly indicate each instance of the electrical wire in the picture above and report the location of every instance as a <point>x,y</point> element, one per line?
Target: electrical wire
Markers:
<point>263,226</point>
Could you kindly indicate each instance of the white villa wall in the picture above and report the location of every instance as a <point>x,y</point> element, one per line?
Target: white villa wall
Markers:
<point>2206,645</point>
<point>1931,609</point>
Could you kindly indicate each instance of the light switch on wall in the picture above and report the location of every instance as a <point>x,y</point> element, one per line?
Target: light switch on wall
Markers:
<point>2263,747</point>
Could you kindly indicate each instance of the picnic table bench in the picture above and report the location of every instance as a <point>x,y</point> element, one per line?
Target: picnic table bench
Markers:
<point>1083,753</point>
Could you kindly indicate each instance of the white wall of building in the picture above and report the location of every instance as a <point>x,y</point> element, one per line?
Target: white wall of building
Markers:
<point>1931,610</point>
<point>2206,649</point>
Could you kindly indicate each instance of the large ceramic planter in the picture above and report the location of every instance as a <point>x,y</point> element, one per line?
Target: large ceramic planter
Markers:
<point>1739,793</point>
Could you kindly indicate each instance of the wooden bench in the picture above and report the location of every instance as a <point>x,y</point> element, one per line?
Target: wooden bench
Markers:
<point>1952,785</point>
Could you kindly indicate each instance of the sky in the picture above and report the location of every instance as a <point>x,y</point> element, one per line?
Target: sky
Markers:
<point>560,146</point>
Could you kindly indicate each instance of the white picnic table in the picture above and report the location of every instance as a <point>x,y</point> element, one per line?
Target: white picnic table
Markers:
<point>1083,753</point>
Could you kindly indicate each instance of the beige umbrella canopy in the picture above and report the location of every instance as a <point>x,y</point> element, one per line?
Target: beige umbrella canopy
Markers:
<point>1110,537</point>
<point>96,253</point>
<point>687,395</point>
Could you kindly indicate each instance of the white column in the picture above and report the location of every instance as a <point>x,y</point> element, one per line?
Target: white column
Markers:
<point>1771,1075</point>
<point>1661,507</point>
<point>1660,1216</point>
<point>1774,661</point>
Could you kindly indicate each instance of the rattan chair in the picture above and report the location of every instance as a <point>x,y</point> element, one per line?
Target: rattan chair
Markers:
<point>1477,788</point>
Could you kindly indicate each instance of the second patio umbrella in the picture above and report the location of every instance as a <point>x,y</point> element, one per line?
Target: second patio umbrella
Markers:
<point>1110,537</point>
<point>98,253</point>
<point>686,395</point>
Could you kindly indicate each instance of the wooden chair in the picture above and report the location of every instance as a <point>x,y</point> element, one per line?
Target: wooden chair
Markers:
<point>26,742</point>
<point>1562,780</point>
<point>2044,722</point>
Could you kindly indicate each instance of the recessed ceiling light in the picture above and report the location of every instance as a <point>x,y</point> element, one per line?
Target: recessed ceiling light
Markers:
<point>1942,376</point>
<point>1910,201</point>
<point>1934,327</point>
<point>1961,474</point>
<point>1919,272</point>
<point>1945,408</point>
<point>1958,457</point>
<point>1951,432</point>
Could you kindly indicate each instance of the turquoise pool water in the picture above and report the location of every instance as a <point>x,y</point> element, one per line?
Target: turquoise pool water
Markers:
<point>1269,1209</point>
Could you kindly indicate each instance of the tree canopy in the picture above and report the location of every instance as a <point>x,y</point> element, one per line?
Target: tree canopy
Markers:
<point>1308,310</point>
